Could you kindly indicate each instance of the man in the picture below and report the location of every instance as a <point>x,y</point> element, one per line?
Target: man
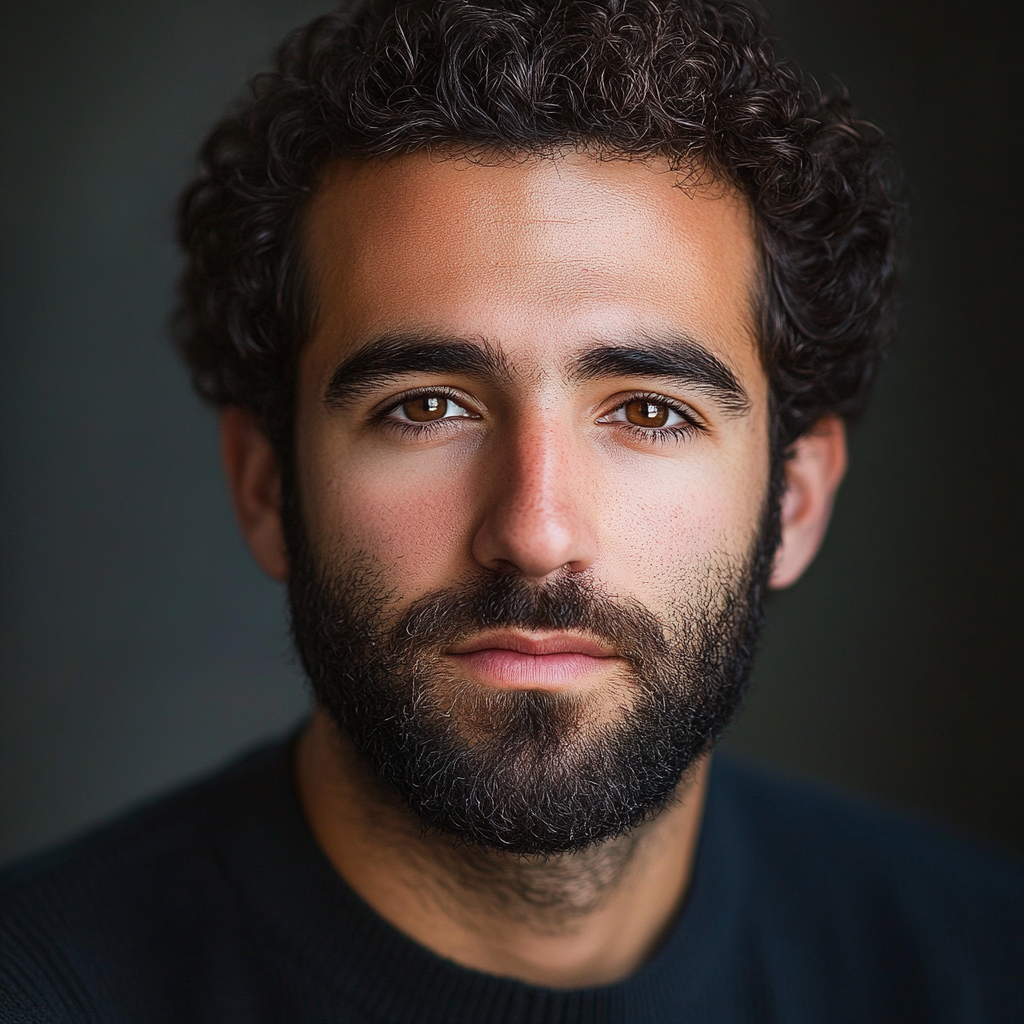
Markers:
<point>535,326</point>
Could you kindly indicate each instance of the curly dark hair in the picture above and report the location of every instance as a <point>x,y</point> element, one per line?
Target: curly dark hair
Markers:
<point>695,82</point>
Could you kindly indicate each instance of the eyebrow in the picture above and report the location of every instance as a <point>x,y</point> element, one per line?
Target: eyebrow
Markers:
<point>393,356</point>
<point>679,359</point>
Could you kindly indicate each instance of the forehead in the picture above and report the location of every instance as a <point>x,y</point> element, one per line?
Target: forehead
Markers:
<point>539,256</point>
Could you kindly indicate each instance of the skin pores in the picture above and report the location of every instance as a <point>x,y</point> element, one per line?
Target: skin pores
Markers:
<point>532,465</point>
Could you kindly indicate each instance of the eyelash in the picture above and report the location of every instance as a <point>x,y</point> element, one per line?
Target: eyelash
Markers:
<point>419,430</point>
<point>650,435</point>
<point>661,435</point>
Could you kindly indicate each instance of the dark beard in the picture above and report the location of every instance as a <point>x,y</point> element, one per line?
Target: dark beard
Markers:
<point>527,772</point>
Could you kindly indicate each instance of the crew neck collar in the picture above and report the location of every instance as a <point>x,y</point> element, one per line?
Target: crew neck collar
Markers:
<point>264,843</point>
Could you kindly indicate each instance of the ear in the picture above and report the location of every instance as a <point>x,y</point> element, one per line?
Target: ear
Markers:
<point>813,474</point>
<point>254,477</point>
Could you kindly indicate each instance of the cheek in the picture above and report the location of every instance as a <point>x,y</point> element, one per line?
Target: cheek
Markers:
<point>665,523</point>
<point>410,515</point>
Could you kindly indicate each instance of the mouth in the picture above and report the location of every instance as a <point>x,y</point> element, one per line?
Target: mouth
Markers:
<point>513,660</point>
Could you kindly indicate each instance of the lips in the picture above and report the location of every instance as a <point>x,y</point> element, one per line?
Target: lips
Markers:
<point>512,660</point>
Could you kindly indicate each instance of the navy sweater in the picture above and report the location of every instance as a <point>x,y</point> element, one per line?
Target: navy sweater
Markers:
<point>216,905</point>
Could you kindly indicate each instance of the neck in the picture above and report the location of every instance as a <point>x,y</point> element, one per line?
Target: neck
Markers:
<point>566,921</point>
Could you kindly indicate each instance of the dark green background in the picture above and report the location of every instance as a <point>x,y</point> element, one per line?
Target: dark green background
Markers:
<point>140,646</point>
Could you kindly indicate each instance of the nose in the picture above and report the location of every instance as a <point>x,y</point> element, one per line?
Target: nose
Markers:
<point>537,514</point>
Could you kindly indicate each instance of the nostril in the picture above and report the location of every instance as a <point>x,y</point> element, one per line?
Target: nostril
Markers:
<point>535,542</point>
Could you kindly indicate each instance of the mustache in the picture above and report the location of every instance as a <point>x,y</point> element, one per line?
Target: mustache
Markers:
<point>508,600</point>
<point>525,772</point>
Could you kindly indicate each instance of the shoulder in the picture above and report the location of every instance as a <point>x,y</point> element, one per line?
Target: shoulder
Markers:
<point>887,901</point>
<point>153,837</point>
<point>149,880</point>
<point>810,828</point>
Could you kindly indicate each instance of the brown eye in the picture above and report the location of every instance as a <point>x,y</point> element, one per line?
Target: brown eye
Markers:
<point>424,408</point>
<point>642,412</point>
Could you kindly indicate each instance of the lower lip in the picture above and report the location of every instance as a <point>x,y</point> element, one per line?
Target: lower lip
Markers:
<point>516,671</point>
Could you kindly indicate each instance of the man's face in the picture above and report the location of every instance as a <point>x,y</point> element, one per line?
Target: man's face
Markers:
<point>532,466</point>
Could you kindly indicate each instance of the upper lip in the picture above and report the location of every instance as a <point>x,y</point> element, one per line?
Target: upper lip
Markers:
<point>531,643</point>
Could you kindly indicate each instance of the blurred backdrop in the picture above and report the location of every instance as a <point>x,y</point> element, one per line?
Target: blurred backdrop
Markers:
<point>140,647</point>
